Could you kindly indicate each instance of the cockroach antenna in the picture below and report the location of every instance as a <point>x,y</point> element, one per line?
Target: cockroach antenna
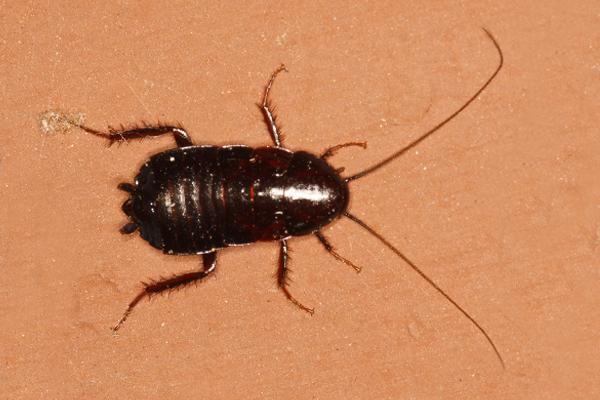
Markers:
<point>399,153</point>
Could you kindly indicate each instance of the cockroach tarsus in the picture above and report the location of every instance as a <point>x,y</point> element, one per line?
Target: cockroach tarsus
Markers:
<point>200,199</point>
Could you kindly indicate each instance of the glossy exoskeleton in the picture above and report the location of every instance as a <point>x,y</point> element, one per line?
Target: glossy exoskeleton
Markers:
<point>200,199</point>
<point>197,199</point>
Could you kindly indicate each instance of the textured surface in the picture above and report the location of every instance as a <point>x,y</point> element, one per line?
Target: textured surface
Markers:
<point>501,208</point>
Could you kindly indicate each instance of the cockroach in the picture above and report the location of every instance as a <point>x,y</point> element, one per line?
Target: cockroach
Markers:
<point>200,199</point>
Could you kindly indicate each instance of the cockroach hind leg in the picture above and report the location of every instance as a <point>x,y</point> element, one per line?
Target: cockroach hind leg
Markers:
<point>123,134</point>
<point>130,307</point>
<point>166,285</point>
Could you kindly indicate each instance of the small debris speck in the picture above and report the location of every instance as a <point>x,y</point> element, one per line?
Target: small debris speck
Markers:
<point>413,330</point>
<point>52,122</point>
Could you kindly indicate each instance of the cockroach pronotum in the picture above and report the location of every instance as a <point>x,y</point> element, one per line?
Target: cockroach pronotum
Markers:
<point>201,199</point>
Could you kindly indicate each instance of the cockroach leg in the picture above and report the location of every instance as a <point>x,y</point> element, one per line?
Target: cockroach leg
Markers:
<point>332,150</point>
<point>332,251</point>
<point>176,282</point>
<point>269,111</point>
<point>139,132</point>
<point>282,277</point>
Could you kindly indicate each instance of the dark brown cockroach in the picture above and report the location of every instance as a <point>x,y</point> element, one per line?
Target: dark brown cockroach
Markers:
<point>200,199</point>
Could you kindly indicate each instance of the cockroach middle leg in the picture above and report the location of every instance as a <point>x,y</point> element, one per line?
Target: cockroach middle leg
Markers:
<point>269,111</point>
<point>209,261</point>
<point>282,277</point>
<point>139,132</point>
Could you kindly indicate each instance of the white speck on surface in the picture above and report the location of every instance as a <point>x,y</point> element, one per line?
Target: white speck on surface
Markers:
<point>413,330</point>
<point>171,159</point>
<point>280,40</point>
<point>51,122</point>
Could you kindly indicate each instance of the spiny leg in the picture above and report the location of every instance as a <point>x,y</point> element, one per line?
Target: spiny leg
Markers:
<point>282,278</point>
<point>113,135</point>
<point>332,251</point>
<point>268,110</point>
<point>332,150</point>
<point>209,261</point>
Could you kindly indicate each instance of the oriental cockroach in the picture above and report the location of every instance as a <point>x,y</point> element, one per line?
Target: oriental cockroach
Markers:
<point>199,199</point>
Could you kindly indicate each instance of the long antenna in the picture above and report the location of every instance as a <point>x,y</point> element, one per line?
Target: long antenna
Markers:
<point>438,126</point>
<point>428,279</point>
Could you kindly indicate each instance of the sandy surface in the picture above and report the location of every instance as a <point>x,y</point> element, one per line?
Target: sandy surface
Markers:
<point>501,208</point>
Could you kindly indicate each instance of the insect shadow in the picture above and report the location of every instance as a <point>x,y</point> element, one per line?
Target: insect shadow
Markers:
<point>199,199</point>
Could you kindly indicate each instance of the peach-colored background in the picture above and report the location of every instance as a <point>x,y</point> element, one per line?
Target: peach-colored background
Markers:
<point>501,208</point>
